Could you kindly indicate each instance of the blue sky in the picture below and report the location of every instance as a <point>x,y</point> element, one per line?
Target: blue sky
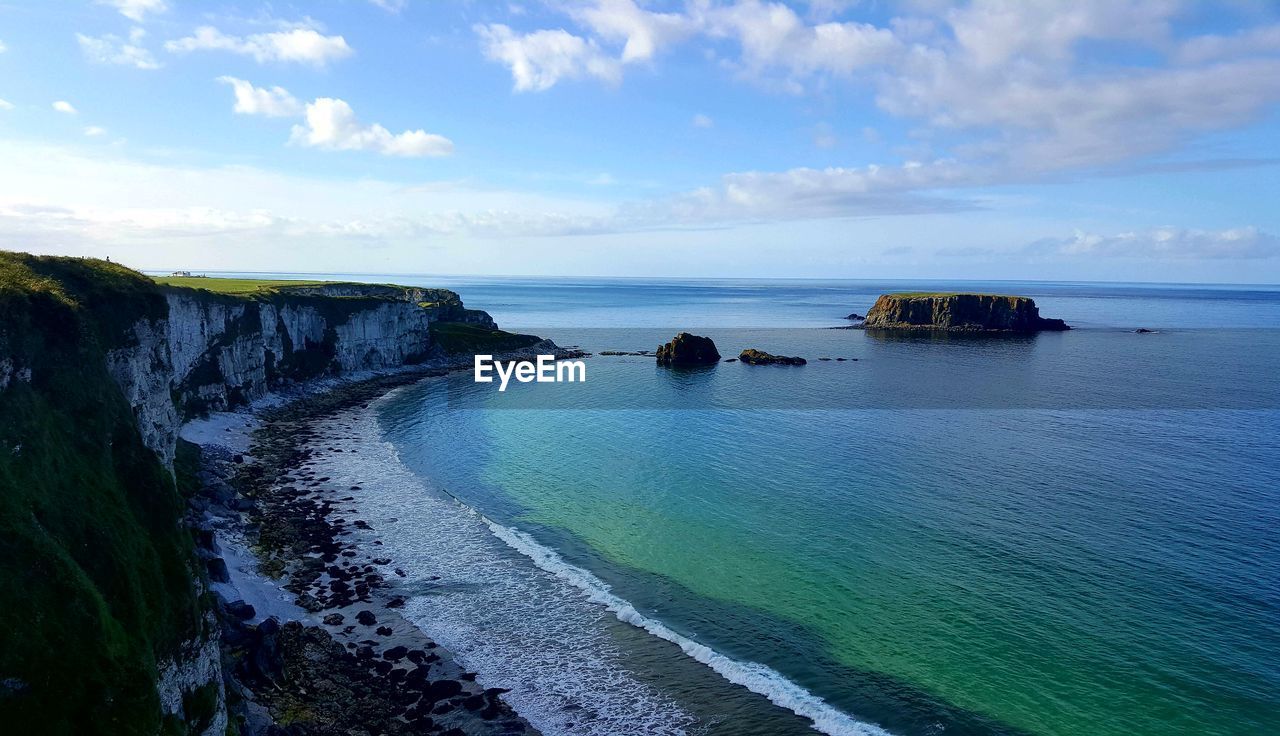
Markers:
<point>1090,140</point>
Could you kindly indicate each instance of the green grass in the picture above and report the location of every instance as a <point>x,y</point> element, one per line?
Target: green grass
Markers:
<point>232,286</point>
<point>96,567</point>
<point>458,338</point>
<point>938,294</point>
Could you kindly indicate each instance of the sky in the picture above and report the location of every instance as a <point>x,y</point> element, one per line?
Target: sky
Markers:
<point>1092,140</point>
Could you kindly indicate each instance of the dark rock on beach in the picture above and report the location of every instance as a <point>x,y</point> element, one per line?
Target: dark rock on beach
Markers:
<point>240,610</point>
<point>687,349</point>
<point>218,570</point>
<point>751,356</point>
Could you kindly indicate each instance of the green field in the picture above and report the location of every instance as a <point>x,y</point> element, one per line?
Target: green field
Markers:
<point>232,286</point>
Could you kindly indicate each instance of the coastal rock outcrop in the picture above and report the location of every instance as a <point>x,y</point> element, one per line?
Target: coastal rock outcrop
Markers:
<point>688,349</point>
<point>752,356</point>
<point>959,312</point>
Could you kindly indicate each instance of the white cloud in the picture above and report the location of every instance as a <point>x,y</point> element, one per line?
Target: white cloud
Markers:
<point>111,49</point>
<point>331,124</point>
<point>3,47</point>
<point>303,45</point>
<point>1253,41</point>
<point>807,193</point>
<point>136,10</point>
<point>391,6</point>
<point>703,121</point>
<point>540,59</point>
<point>65,107</point>
<point>1166,243</point>
<point>145,213</point>
<point>999,80</point>
<point>273,102</point>
<point>991,33</point>
<point>5,104</point>
<point>643,32</point>
<point>93,131</point>
<point>772,35</point>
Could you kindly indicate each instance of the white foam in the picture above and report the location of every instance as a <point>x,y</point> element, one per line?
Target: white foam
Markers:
<point>755,677</point>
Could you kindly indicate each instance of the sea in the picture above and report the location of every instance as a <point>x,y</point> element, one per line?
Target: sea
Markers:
<point>1069,534</point>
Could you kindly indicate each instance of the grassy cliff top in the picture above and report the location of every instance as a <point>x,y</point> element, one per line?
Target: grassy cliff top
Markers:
<point>271,288</point>
<point>941,294</point>
<point>232,286</point>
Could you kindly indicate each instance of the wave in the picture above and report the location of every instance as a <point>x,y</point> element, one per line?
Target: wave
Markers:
<point>755,677</point>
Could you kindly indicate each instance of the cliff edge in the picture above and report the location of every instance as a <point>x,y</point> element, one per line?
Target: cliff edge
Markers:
<point>959,312</point>
<point>106,623</point>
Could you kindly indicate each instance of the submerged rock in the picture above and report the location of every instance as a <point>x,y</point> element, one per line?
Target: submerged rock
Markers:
<point>752,356</point>
<point>959,312</point>
<point>687,349</point>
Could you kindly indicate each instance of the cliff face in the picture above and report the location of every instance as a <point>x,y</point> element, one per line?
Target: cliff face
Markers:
<point>104,624</point>
<point>961,312</point>
<point>213,352</point>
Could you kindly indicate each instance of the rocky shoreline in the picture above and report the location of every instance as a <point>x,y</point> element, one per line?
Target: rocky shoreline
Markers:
<point>312,638</point>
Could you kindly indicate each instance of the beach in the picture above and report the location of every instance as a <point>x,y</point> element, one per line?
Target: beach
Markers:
<point>301,594</point>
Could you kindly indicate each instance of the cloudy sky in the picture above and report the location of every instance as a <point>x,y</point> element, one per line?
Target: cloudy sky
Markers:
<point>1087,140</point>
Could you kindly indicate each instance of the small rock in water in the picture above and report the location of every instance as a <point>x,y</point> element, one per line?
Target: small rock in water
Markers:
<point>760,357</point>
<point>367,618</point>
<point>384,631</point>
<point>334,619</point>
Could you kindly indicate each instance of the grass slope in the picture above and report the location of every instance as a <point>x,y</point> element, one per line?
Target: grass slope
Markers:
<point>96,566</point>
<point>458,338</point>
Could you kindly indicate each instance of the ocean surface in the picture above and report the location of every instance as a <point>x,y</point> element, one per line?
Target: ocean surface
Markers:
<point>1073,533</point>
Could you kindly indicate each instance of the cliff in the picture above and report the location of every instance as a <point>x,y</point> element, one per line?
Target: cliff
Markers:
<point>105,619</point>
<point>959,312</point>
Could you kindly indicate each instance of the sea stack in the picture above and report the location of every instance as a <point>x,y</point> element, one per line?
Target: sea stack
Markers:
<point>687,349</point>
<point>959,313</point>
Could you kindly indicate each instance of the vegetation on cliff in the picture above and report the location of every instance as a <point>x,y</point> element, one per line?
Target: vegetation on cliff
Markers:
<point>457,338</point>
<point>99,583</point>
<point>959,312</point>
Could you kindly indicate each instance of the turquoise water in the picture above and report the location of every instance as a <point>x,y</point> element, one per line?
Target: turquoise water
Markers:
<point>1074,533</point>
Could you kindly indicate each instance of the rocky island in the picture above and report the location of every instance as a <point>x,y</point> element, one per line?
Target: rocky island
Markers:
<point>686,349</point>
<point>959,312</point>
